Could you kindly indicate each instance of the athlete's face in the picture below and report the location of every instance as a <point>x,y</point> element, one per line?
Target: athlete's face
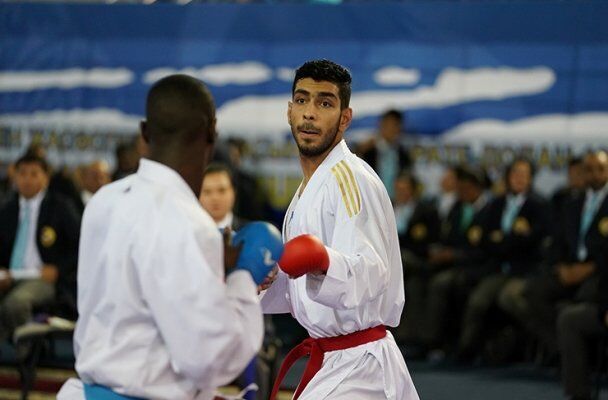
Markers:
<point>316,118</point>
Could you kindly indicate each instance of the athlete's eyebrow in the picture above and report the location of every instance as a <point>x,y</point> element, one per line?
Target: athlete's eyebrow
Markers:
<point>327,94</point>
<point>301,91</point>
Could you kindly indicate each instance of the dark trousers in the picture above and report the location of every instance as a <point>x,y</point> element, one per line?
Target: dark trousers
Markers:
<point>545,295</point>
<point>479,303</point>
<point>417,274</point>
<point>18,303</point>
<point>577,326</point>
<point>446,294</point>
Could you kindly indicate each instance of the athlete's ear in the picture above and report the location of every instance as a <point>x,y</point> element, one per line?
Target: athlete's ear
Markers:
<point>346,117</point>
<point>289,104</point>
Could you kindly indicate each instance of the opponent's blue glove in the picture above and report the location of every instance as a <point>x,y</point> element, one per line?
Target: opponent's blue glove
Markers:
<point>262,248</point>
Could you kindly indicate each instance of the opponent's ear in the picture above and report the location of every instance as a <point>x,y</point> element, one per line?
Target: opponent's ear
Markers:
<point>289,104</point>
<point>212,132</point>
<point>142,130</point>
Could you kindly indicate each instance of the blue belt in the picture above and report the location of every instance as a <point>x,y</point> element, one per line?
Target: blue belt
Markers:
<point>98,392</point>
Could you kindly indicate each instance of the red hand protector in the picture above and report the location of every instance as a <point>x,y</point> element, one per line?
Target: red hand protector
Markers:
<point>304,254</point>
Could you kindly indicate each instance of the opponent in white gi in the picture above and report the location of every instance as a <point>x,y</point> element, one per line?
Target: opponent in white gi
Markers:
<point>158,318</point>
<point>352,287</point>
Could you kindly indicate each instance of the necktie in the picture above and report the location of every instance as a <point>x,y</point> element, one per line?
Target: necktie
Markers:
<point>389,160</point>
<point>588,214</point>
<point>403,214</point>
<point>510,212</point>
<point>20,245</point>
<point>466,217</point>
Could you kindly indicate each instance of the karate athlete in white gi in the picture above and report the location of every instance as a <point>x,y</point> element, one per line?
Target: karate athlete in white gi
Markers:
<point>341,272</point>
<point>158,317</point>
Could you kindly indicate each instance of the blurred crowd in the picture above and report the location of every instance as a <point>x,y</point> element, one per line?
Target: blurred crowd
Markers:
<point>494,273</point>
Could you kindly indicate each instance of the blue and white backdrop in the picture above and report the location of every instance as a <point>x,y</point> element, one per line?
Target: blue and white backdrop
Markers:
<point>477,80</point>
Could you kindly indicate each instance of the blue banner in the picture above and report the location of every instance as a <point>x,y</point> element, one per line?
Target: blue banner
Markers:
<point>464,72</point>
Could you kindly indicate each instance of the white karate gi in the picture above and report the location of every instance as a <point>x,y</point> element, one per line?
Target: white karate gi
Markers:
<point>157,319</point>
<point>346,205</point>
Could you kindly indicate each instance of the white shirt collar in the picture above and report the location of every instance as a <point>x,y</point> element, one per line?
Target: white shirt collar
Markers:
<point>226,221</point>
<point>602,192</point>
<point>518,198</point>
<point>34,202</point>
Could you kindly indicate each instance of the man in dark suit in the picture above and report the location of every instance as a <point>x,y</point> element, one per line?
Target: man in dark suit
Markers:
<point>385,154</point>
<point>580,325</point>
<point>515,228</point>
<point>38,247</point>
<point>448,196</point>
<point>461,258</point>
<point>576,253</point>
<point>418,228</point>
<point>574,187</point>
<point>218,196</point>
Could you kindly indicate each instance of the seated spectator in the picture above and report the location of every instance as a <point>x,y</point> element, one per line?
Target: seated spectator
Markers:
<point>448,196</point>
<point>418,228</point>
<point>574,187</point>
<point>61,181</point>
<point>514,230</point>
<point>94,176</point>
<point>460,258</point>
<point>576,251</point>
<point>579,326</point>
<point>38,247</point>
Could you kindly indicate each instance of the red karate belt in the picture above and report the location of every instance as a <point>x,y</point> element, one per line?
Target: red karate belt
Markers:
<point>316,349</point>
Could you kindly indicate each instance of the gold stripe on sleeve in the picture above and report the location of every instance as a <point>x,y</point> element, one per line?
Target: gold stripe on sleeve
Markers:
<point>354,184</point>
<point>348,185</point>
<point>342,189</point>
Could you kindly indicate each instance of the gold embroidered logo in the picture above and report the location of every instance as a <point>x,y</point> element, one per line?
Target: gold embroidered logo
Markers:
<point>48,236</point>
<point>603,226</point>
<point>419,231</point>
<point>348,187</point>
<point>496,236</point>
<point>474,235</point>
<point>521,226</point>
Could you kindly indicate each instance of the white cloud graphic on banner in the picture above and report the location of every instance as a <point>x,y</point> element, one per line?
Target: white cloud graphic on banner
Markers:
<point>396,76</point>
<point>254,116</point>
<point>265,115</point>
<point>586,128</point>
<point>85,120</point>
<point>247,73</point>
<point>103,78</point>
<point>286,74</point>
<point>455,86</point>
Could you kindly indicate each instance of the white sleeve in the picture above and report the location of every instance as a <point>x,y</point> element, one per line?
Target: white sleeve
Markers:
<point>275,299</point>
<point>212,329</point>
<point>358,261</point>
